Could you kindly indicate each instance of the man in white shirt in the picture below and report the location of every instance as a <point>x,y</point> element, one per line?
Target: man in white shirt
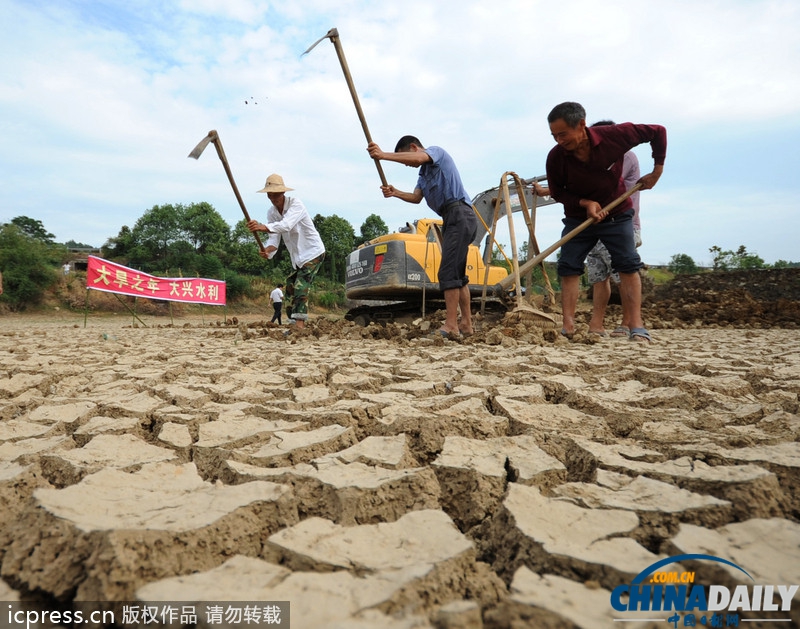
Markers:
<point>276,299</point>
<point>289,221</point>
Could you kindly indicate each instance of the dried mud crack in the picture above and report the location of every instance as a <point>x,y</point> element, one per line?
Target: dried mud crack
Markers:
<point>381,477</point>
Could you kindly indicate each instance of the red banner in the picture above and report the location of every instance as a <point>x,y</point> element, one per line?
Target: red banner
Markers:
<point>115,278</point>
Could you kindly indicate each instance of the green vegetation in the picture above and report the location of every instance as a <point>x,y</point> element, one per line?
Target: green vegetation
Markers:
<point>175,240</point>
<point>373,227</point>
<point>740,259</point>
<point>682,263</point>
<point>195,241</point>
<point>28,265</point>
<point>339,239</point>
<point>33,229</point>
<point>660,275</point>
<point>173,237</point>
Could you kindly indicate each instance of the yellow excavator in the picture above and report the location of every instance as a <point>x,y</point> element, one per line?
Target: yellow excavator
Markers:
<point>395,276</point>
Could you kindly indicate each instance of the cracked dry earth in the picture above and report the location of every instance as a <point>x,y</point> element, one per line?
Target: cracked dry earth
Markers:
<point>381,478</point>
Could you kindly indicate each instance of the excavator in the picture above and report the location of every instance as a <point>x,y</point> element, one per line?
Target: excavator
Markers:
<point>393,277</point>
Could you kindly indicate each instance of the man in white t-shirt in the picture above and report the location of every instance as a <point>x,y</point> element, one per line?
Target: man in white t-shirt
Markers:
<point>276,299</point>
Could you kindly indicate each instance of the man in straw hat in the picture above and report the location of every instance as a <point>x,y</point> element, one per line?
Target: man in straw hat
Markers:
<point>288,220</point>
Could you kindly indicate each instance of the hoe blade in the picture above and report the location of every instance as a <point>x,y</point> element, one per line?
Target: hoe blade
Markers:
<point>197,151</point>
<point>330,34</point>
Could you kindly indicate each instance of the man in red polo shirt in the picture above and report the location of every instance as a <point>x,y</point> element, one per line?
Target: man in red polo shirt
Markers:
<point>584,173</point>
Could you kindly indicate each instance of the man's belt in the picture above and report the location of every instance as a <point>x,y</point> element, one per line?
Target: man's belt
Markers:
<point>450,205</point>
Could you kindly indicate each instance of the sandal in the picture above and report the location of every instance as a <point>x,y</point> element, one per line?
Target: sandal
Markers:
<point>640,335</point>
<point>447,335</point>
<point>621,331</point>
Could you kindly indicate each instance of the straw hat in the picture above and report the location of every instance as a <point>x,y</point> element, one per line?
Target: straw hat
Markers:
<point>275,184</point>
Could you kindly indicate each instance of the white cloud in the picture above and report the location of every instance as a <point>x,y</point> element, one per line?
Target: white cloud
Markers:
<point>246,11</point>
<point>100,107</point>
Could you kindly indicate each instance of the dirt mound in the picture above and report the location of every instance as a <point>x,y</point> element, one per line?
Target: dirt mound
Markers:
<point>765,298</point>
<point>759,299</point>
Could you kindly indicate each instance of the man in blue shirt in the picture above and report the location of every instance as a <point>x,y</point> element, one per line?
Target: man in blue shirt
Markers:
<point>439,183</point>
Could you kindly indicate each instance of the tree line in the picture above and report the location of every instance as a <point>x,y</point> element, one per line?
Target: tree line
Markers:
<point>726,260</point>
<point>194,240</point>
<point>173,240</point>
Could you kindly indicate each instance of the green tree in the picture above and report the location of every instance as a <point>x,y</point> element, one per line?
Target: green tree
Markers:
<point>181,261</point>
<point>522,253</point>
<point>498,259</point>
<point>151,237</point>
<point>734,260</point>
<point>27,266</point>
<point>721,259</point>
<point>243,253</point>
<point>34,229</point>
<point>373,227</point>
<point>118,246</point>
<point>749,260</point>
<point>339,238</point>
<point>682,263</point>
<point>205,228</point>
<point>209,265</point>
<point>173,237</point>
<point>71,244</point>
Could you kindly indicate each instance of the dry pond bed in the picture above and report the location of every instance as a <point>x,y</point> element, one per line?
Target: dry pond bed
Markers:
<point>380,477</point>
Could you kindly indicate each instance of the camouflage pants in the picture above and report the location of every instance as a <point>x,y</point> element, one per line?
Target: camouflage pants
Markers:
<point>598,262</point>
<point>298,285</point>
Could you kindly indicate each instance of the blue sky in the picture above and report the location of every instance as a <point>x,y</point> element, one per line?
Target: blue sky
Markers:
<point>102,101</point>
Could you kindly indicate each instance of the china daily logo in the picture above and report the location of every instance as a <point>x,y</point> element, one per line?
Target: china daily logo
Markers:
<point>690,604</point>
